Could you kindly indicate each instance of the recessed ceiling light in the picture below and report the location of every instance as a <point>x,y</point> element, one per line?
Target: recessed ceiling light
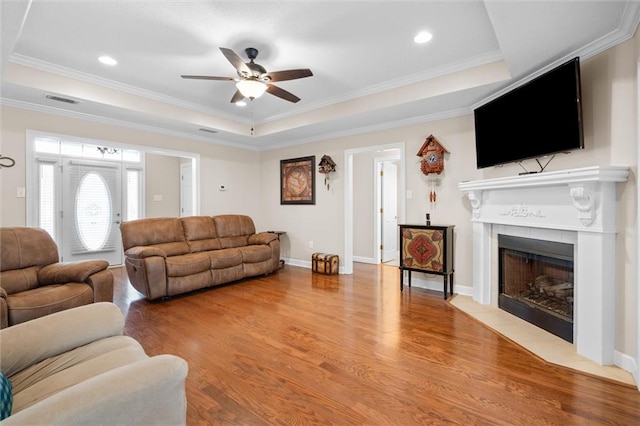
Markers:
<point>107,60</point>
<point>241,103</point>
<point>423,37</point>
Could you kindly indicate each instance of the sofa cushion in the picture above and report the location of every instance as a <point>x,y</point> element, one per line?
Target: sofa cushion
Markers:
<point>200,233</point>
<point>45,300</point>
<point>152,231</point>
<point>225,258</point>
<point>234,230</point>
<point>25,247</point>
<point>6,396</point>
<point>198,228</point>
<point>253,254</point>
<point>187,264</point>
<point>55,374</point>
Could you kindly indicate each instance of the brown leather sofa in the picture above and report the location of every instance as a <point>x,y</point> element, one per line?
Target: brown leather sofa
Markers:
<point>34,284</point>
<point>170,256</point>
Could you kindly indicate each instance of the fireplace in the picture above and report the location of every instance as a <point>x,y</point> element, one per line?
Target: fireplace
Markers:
<point>576,207</point>
<point>536,282</point>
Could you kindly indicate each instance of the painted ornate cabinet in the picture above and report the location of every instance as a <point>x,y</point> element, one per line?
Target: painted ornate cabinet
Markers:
<point>429,249</point>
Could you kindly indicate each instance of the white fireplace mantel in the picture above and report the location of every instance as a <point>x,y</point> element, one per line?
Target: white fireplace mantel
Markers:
<point>578,205</point>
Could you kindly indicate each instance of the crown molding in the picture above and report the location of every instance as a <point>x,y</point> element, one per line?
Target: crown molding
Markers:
<point>625,31</point>
<point>111,84</point>
<point>119,123</point>
<point>394,84</point>
<point>376,128</point>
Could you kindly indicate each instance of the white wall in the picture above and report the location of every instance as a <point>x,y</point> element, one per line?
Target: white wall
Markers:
<point>162,184</point>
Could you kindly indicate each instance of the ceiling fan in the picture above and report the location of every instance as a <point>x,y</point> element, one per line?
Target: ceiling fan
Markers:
<point>253,79</point>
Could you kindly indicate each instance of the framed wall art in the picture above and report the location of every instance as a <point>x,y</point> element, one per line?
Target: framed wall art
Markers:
<point>298,180</point>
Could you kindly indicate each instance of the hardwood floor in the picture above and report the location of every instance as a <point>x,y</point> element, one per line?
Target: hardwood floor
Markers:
<point>301,348</point>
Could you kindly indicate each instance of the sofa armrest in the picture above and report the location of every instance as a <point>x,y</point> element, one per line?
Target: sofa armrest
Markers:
<point>60,273</point>
<point>140,252</point>
<point>262,238</point>
<point>27,343</point>
<point>146,392</point>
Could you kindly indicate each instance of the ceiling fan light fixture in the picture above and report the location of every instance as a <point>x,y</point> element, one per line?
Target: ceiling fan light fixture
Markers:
<point>251,89</point>
<point>423,37</point>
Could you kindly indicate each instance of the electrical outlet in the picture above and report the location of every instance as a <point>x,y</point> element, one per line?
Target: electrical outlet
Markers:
<point>409,194</point>
<point>310,244</point>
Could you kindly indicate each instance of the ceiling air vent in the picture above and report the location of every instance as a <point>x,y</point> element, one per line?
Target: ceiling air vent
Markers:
<point>61,99</point>
<point>202,129</point>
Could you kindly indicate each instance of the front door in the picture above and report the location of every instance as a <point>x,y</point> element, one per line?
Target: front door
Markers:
<point>91,215</point>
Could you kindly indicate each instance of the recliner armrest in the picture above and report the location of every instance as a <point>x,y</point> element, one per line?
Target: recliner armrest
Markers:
<point>61,273</point>
<point>140,252</point>
<point>262,238</point>
<point>27,343</point>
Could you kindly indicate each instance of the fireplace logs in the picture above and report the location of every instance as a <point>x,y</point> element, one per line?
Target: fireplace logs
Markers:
<point>551,293</point>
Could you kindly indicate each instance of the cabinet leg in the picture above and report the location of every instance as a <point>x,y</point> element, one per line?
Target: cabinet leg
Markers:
<point>401,279</point>
<point>446,282</point>
<point>451,285</point>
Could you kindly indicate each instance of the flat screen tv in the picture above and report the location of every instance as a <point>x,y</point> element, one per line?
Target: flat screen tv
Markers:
<point>539,118</point>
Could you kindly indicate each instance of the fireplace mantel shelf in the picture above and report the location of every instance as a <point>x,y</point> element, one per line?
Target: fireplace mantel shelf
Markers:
<point>568,177</point>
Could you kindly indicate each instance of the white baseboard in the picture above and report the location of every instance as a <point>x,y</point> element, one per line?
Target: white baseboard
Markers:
<point>436,283</point>
<point>361,259</point>
<point>627,363</point>
<point>304,264</point>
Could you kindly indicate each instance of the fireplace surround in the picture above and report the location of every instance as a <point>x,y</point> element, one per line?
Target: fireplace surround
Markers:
<point>576,206</point>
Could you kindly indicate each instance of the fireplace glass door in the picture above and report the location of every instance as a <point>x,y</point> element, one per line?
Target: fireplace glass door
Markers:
<point>536,282</point>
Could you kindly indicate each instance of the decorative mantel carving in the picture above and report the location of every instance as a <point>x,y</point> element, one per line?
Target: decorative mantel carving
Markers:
<point>476,202</point>
<point>583,197</point>
<point>522,211</point>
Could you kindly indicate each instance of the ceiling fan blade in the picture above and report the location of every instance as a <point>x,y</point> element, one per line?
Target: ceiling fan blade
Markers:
<point>288,74</point>
<point>237,97</point>
<point>281,93</point>
<point>236,61</point>
<point>207,77</point>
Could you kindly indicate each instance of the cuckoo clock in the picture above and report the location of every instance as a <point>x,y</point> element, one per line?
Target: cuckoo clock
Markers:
<point>432,153</point>
<point>432,163</point>
<point>326,166</point>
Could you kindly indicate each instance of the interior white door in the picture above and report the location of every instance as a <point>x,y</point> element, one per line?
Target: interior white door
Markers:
<point>186,189</point>
<point>91,215</point>
<point>389,216</point>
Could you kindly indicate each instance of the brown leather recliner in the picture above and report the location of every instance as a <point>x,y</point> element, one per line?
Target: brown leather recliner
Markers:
<point>33,283</point>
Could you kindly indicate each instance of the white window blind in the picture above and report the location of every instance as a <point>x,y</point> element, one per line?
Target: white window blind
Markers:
<point>46,202</point>
<point>133,194</point>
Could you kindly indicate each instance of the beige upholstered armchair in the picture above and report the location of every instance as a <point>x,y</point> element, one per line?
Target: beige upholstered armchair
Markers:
<point>75,367</point>
<point>33,283</point>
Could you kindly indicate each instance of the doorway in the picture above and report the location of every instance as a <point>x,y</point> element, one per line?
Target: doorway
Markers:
<point>349,205</point>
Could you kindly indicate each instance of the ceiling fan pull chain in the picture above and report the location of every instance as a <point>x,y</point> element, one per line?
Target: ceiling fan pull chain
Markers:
<point>251,103</point>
